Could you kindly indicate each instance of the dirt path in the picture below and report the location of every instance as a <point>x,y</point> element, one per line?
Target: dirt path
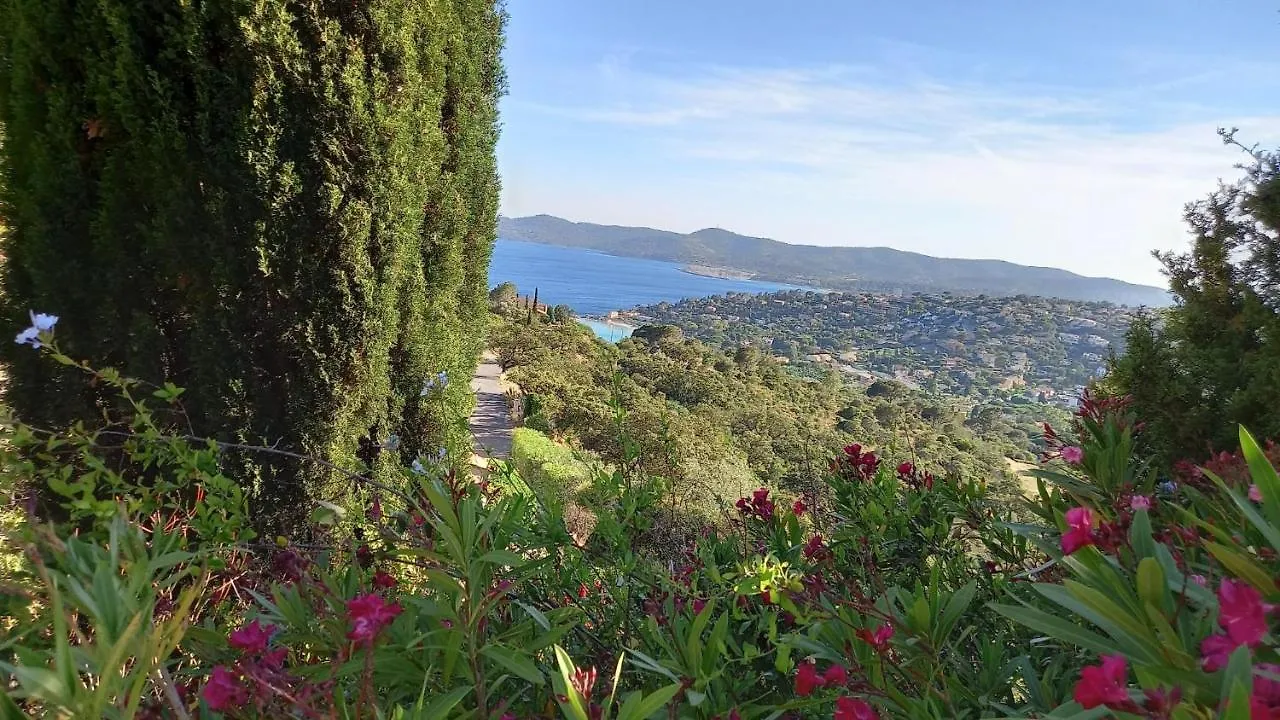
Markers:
<point>491,420</point>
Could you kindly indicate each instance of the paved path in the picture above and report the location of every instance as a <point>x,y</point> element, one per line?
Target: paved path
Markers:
<point>491,420</point>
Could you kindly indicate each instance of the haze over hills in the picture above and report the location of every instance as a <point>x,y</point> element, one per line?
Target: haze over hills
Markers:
<point>881,269</point>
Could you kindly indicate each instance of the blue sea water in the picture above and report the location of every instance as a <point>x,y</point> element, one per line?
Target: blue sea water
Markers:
<point>593,283</point>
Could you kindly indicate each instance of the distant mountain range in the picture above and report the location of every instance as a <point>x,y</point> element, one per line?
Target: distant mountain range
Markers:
<point>880,269</point>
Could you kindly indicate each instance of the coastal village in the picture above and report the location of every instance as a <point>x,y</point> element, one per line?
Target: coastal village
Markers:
<point>1019,349</point>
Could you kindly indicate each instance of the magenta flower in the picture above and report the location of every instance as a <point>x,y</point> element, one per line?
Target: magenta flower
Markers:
<point>1140,502</point>
<point>807,678</point>
<point>1103,684</point>
<point>1241,612</point>
<point>223,691</point>
<point>1215,651</point>
<point>1255,493</point>
<point>252,638</point>
<point>383,580</point>
<point>848,708</point>
<point>1073,454</point>
<point>368,614</point>
<point>835,676</point>
<point>879,638</point>
<point>1079,530</point>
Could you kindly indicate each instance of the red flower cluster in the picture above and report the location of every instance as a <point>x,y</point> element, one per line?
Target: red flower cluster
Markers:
<point>368,614</point>
<point>808,679</point>
<point>878,638</point>
<point>911,475</point>
<point>1098,409</point>
<point>1243,618</point>
<point>1079,530</point>
<point>848,708</point>
<point>815,550</point>
<point>258,677</point>
<point>1104,684</point>
<point>758,505</point>
<point>860,464</point>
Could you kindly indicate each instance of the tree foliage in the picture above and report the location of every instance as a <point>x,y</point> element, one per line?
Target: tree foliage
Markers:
<point>1213,360</point>
<point>287,207</point>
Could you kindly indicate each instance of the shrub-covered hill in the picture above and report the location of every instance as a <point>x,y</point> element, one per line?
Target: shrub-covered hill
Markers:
<point>717,423</point>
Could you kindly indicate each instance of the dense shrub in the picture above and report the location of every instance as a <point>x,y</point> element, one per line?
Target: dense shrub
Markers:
<point>286,207</point>
<point>549,467</point>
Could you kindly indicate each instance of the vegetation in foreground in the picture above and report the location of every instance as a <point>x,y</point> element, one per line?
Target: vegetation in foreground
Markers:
<point>886,591</point>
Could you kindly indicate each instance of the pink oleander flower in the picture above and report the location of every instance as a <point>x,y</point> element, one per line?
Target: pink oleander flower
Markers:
<point>368,614</point>
<point>383,580</point>
<point>1073,454</point>
<point>251,638</point>
<point>879,638</point>
<point>1140,502</point>
<point>1215,651</point>
<point>1241,612</point>
<point>1103,684</point>
<point>223,691</point>
<point>848,708</point>
<point>1079,530</point>
<point>835,676</point>
<point>807,679</point>
<point>1255,493</point>
<point>799,508</point>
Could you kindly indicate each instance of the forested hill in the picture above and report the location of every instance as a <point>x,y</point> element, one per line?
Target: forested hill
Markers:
<point>878,269</point>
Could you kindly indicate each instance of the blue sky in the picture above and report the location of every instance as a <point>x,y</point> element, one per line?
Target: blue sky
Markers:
<point>1067,134</point>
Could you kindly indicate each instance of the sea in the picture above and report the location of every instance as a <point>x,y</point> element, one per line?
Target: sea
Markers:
<point>593,283</point>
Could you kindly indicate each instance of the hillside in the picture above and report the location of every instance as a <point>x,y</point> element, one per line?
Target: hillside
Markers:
<point>878,269</point>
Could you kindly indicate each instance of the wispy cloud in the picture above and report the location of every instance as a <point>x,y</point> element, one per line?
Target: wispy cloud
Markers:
<point>1089,180</point>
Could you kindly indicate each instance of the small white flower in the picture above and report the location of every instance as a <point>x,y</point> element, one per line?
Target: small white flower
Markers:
<point>28,337</point>
<point>442,380</point>
<point>43,322</point>
<point>441,454</point>
<point>417,467</point>
<point>427,387</point>
<point>392,443</point>
<point>40,323</point>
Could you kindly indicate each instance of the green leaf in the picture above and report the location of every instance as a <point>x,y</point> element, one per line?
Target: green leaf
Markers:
<point>1269,531</point>
<point>440,707</point>
<point>536,614</point>
<point>327,514</point>
<point>955,607</point>
<point>516,662</point>
<point>573,705</point>
<point>1151,585</point>
<point>1056,627</point>
<point>1263,475</point>
<point>501,556</point>
<point>9,709</point>
<point>1140,535</point>
<point>1242,567</point>
<point>652,703</point>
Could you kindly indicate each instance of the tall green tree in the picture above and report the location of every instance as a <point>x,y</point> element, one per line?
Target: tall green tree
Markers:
<point>1213,359</point>
<point>286,207</point>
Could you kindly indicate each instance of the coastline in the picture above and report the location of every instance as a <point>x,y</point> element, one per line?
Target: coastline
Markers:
<point>716,272</point>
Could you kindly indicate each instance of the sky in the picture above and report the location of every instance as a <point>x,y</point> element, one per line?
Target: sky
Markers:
<point>1061,134</point>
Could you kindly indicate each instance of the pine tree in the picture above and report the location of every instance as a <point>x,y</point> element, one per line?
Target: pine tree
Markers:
<point>287,208</point>
<point>1213,359</point>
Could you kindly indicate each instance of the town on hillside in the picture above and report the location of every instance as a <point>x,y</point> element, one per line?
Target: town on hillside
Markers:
<point>1020,350</point>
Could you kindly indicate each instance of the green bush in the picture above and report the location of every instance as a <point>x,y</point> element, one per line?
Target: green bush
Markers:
<point>554,470</point>
<point>885,592</point>
<point>169,166</point>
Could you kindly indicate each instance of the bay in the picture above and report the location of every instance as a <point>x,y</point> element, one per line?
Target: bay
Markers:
<point>593,283</point>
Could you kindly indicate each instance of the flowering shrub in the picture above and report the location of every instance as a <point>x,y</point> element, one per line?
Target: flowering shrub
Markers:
<point>887,592</point>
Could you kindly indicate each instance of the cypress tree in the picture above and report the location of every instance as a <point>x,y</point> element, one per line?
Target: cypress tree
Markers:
<point>287,208</point>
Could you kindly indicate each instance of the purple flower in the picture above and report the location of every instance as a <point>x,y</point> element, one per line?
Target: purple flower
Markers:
<point>1072,454</point>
